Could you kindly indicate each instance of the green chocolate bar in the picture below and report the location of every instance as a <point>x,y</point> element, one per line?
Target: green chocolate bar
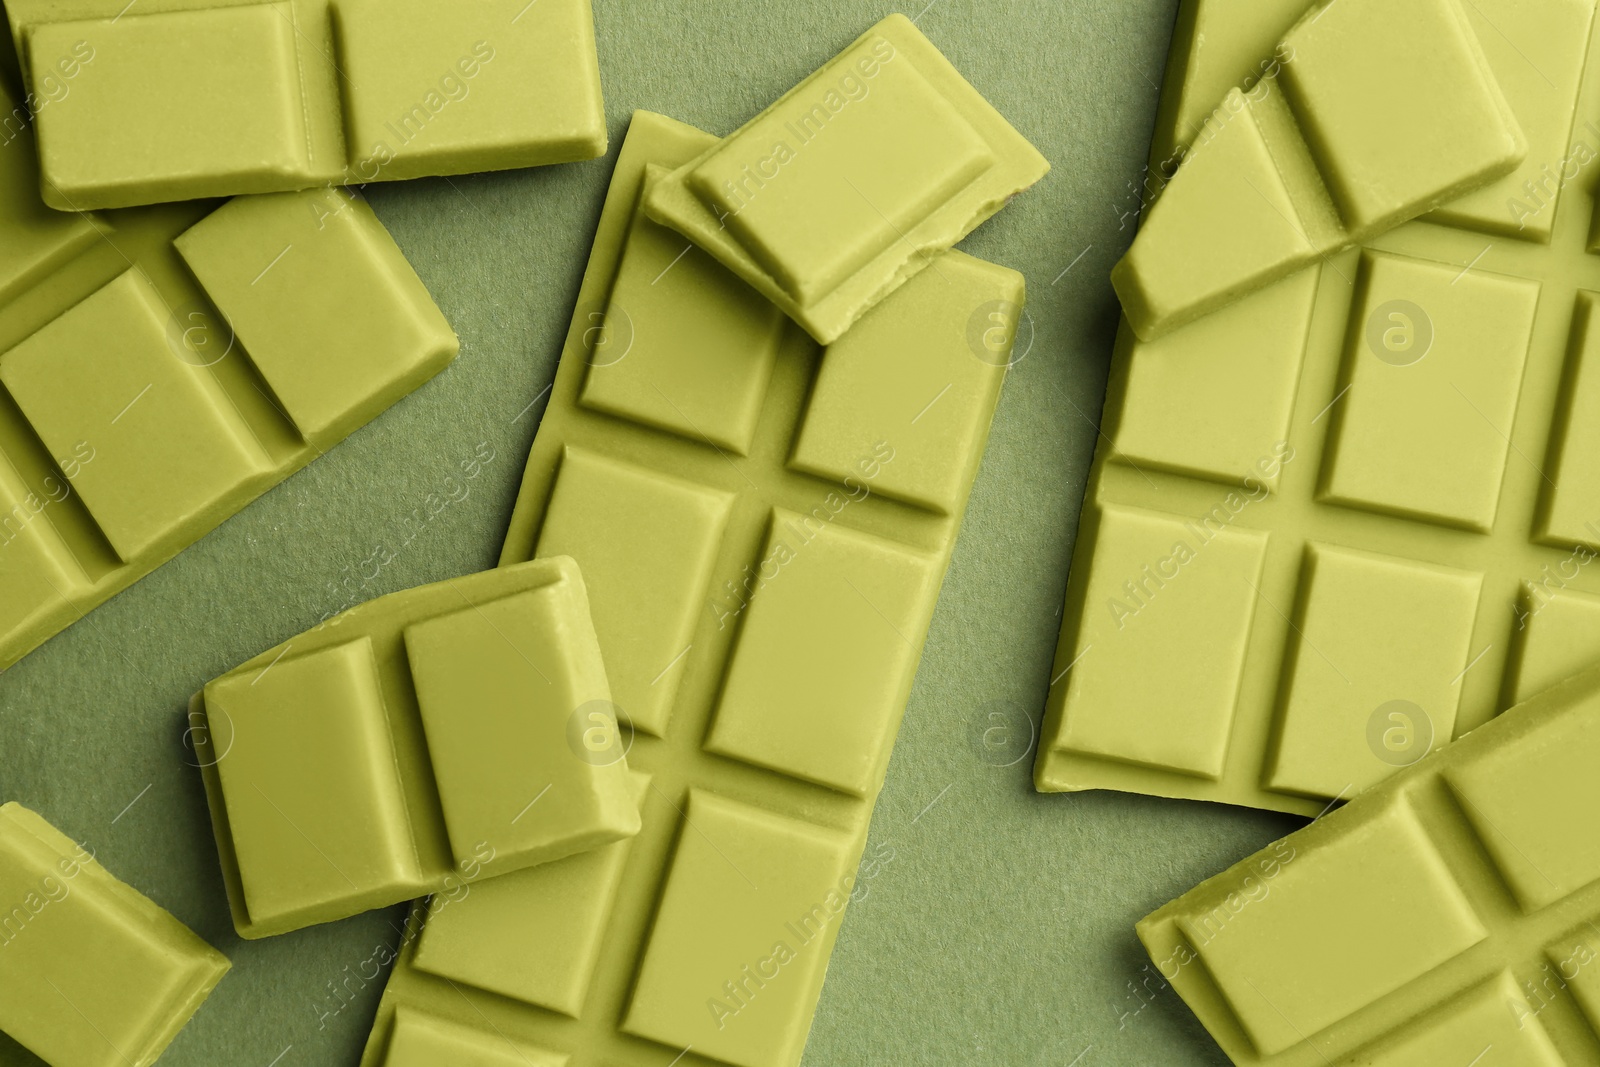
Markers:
<point>763,527</point>
<point>1350,517</point>
<point>164,367</point>
<point>413,744</point>
<point>1449,916</point>
<point>855,180</point>
<point>92,973</point>
<point>1375,112</point>
<point>178,99</point>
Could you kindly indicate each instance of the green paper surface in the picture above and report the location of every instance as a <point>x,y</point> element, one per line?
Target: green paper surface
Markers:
<point>994,925</point>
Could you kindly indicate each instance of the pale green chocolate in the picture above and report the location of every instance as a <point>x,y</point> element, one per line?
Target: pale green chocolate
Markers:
<point>203,100</point>
<point>514,85</point>
<point>1541,92</point>
<point>179,99</point>
<point>422,1040</point>
<point>854,181</point>
<point>1354,515</point>
<point>413,744</point>
<point>762,527</point>
<point>165,367</point>
<point>1378,112</point>
<point>1445,916</point>
<point>544,955</point>
<point>92,973</point>
<point>331,361</point>
<point>37,239</point>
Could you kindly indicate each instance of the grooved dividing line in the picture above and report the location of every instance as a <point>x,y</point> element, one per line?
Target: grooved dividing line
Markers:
<point>288,420</point>
<point>511,1044</point>
<point>293,20</point>
<point>1509,443</point>
<point>696,426</point>
<point>690,823</point>
<point>1106,441</point>
<point>1475,261</point>
<point>1295,226</point>
<point>700,460</point>
<point>1297,630</point>
<point>1473,664</point>
<point>1318,528</point>
<point>1303,1038</point>
<point>1332,402</point>
<point>1479,812</point>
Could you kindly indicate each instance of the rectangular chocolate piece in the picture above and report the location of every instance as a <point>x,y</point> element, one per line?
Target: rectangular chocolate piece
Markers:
<point>763,527</point>
<point>92,973</point>
<point>855,180</point>
<point>1351,517</point>
<point>162,368</point>
<point>414,743</point>
<point>1450,915</point>
<point>179,99</point>
<point>1375,112</point>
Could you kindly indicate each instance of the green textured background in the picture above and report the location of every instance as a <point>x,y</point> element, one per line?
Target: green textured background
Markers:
<point>997,926</point>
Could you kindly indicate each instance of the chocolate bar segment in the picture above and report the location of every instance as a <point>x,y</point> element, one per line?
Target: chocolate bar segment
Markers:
<point>92,973</point>
<point>852,182</point>
<point>1449,910</point>
<point>448,724</point>
<point>1375,112</point>
<point>763,606</point>
<point>174,100</point>
<point>1401,428</point>
<point>148,397</point>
